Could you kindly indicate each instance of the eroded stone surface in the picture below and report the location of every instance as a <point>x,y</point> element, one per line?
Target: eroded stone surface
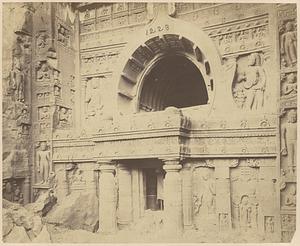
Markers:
<point>72,212</point>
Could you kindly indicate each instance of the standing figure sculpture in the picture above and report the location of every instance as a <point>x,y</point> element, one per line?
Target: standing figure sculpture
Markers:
<point>288,44</point>
<point>17,79</point>
<point>255,83</point>
<point>289,140</point>
<point>43,167</point>
<point>245,211</point>
<point>92,98</point>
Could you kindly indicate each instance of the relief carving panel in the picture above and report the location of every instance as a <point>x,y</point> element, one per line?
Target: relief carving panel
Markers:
<point>289,142</point>
<point>245,204</point>
<point>250,83</point>
<point>99,61</point>
<point>240,37</point>
<point>204,198</point>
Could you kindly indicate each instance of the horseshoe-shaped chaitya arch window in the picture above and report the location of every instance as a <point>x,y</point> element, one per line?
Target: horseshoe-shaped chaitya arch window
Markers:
<point>169,64</point>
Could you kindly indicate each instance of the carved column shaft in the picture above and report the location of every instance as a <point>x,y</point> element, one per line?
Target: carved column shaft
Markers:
<point>136,193</point>
<point>266,194</point>
<point>26,190</point>
<point>83,95</point>
<point>107,199</point>
<point>90,177</point>
<point>187,199</point>
<point>223,204</point>
<point>173,198</point>
<point>125,195</point>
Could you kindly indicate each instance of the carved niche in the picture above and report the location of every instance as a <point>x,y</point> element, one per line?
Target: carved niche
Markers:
<point>249,85</point>
<point>289,85</point>
<point>43,71</point>
<point>269,224</point>
<point>63,35</point>
<point>288,197</point>
<point>63,117</point>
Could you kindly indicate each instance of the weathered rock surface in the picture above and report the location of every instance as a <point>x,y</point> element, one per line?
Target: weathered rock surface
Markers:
<point>39,204</point>
<point>43,236</point>
<point>76,211</point>
<point>17,235</point>
<point>21,225</point>
<point>37,225</point>
<point>7,222</point>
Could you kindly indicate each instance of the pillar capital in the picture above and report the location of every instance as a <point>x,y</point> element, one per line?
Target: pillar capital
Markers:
<point>106,165</point>
<point>171,161</point>
<point>171,164</point>
<point>172,167</point>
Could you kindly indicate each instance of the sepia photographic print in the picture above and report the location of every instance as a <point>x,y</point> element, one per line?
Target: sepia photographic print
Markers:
<point>149,122</point>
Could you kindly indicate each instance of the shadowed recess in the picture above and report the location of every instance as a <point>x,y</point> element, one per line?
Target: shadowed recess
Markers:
<point>173,81</point>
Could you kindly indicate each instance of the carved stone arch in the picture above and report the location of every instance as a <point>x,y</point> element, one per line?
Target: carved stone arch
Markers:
<point>152,43</point>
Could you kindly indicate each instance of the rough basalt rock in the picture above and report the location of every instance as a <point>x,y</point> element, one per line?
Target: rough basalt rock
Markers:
<point>77,211</point>
<point>17,235</point>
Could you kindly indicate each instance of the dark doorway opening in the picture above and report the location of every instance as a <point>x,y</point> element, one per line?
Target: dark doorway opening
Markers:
<point>173,81</point>
<point>154,189</point>
<point>151,189</point>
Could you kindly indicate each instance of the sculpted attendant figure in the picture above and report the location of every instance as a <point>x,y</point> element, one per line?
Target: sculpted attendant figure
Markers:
<point>288,43</point>
<point>17,80</point>
<point>290,199</point>
<point>92,99</point>
<point>245,213</point>
<point>290,87</point>
<point>289,139</point>
<point>255,83</point>
<point>43,167</point>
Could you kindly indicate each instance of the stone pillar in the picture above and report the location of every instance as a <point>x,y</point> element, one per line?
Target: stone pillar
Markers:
<point>267,198</point>
<point>125,196</point>
<point>135,194</point>
<point>173,198</point>
<point>223,204</point>
<point>83,95</point>
<point>107,198</point>
<point>187,199</point>
<point>78,110</point>
<point>26,190</point>
<point>89,174</point>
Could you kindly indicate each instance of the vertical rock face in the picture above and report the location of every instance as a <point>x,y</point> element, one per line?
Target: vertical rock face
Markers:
<point>16,77</point>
